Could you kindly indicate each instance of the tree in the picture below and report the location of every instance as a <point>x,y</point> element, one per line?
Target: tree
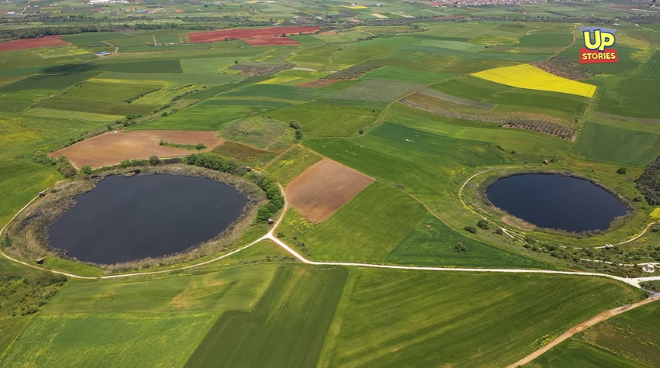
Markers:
<point>86,170</point>
<point>483,224</point>
<point>460,248</point>
<point>470,229</point>
<point>622,170</point>
<point>154,160</point>
<point>299,134</point>
<point>200,146</point>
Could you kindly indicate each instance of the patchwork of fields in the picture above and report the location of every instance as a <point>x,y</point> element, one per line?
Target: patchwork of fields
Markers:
<point>372,132</point>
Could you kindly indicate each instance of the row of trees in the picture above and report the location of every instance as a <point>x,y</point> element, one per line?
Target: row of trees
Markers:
<point>267,184</point>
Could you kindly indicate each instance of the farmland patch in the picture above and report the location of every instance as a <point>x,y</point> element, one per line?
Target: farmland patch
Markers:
<point>604,143</point>
<point>530,77</point>
<point>261,132</point>
<point>322,120</point>
<point>242,152</point>
<point>287,328</point>
<point>508,119</point>
<point>545,40</point>
<point>212,113</point>
<point>324,188</point>
<point>376,90</point>
<point>406,75</point>
<point>112,148</point>
<point>432,242</point>
<point>31,43</point>
<point>249,33</point>
<point>291,164</point>
<point>367,228</point>
<point>385,309</point>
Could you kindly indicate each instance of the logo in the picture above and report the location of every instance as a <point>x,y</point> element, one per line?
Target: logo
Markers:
<point>597,43</point>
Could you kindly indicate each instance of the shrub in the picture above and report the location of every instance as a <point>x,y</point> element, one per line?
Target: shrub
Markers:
<point>154,160</point>
<point>622,171</point>
<point>86,170</point>
<point>499,231</point>
<point>299,134</point>
<point>200,146</point>
<point>470,229</point>
<point>483,224</point>
<point>460,248</point>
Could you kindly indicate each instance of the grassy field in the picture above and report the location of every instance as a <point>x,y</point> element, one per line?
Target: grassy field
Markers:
<point>431,242</point>
<point>581,355</point>
<point>260,132</point>
<point>628,96</point>
<point>421,162</point>
<point>523,142</point>
<point>291,164</point>
<point>287,327</point>
<point>367,228</point>
<point>406,75</point>
<point>628,340</point>
<point>375,90</point>
<point>115,324</point>
<point>599,142</point>
<point>213,113</point>
<point>321,120</point>
<point>515,99</point>
<point>405,319</point>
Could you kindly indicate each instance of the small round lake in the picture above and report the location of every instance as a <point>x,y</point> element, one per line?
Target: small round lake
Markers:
<point>130,218</point>
<point>556,201</point>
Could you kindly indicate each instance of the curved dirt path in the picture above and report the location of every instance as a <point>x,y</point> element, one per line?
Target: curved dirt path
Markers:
<point>581,327</point>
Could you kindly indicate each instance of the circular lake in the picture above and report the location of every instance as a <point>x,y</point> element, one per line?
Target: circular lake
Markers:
<point>130,218</point>
<point>556,201</point>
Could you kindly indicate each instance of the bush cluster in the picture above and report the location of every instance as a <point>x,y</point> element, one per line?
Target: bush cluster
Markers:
<point>61,164</point>
<point>267,184</point>
<point>649,182</point>
<point>296,126</point>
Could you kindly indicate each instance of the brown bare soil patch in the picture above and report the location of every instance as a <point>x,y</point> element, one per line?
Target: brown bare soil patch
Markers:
<point>111,148</point>
<point>31,43</point>
<point>248,33</point>
<point>271,41</point>
<point>317,83</point>
<point>324,188</point>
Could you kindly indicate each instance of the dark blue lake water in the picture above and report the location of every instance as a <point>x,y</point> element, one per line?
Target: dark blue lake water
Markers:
<point>556,201</point>
<point>130,218</point>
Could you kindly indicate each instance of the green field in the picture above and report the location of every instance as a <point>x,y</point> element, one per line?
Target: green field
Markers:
<point>320,120</point>
<point>291,164</point>
<point>406,75</point>
<point>213,113</point>
<point>421,162</point>
<point>371,225</point>
<point>581,355</point>
<point>545,40</point>
<point>432,242</point>
<point>515,99</point>
<point>628,340</point>
<point>261,132</point>
<point>115,324</point>
<point>376,90</point>
<point>408,318</point>
<point>287,327</point>
<point>599,142</point>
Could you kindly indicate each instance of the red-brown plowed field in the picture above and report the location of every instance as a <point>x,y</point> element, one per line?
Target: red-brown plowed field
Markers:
<point>32,43</point>
<point>317,83</point>
<point>112,148</point>
<point>324,188</point>
<point>271,41</point>
<point>245,34</point>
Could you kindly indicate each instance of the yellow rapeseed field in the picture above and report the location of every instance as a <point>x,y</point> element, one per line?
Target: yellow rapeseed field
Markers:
<point>655,215</point>
<point>531,77</point>
<point>355,7</point>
